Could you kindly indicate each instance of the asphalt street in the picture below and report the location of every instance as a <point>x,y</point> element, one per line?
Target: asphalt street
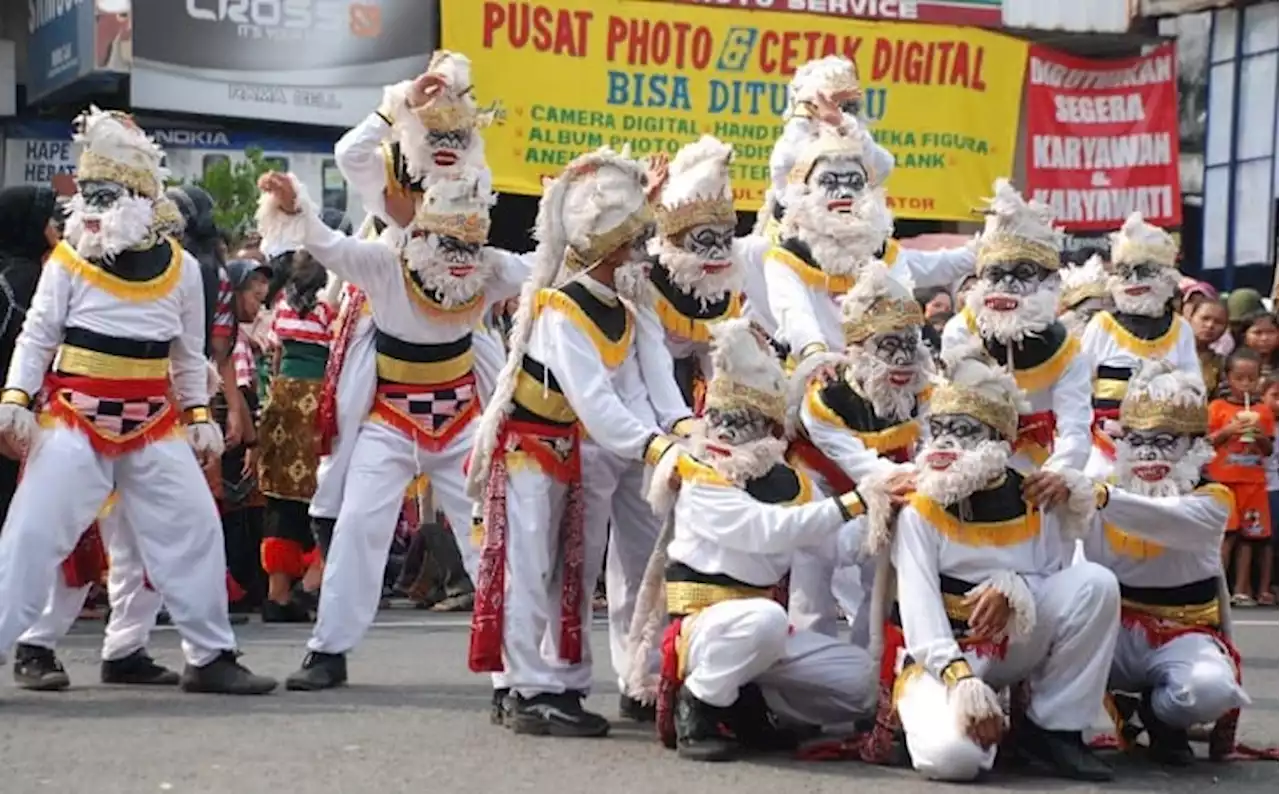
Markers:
<point>415,720</point>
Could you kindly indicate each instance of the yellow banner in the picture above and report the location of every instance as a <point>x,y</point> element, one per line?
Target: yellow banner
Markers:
<point>574,75</point>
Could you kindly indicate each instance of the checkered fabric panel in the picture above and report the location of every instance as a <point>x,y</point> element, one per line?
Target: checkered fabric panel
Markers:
<point>433,409</point>
<point>116,417</point>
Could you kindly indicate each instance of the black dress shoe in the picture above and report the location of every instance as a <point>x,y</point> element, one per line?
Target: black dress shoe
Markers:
<point>1063,753</point>
<point>319,671</point>
<point>38,669</point>
<point>288,612</point>
<point>1168,746</point>
<point>556,714</point>
<point>754,726</point>
<point>225,676</point>
<point>500,710</point>
<point>631,709</point>
<point>137,669</point>
<point>698,735</point>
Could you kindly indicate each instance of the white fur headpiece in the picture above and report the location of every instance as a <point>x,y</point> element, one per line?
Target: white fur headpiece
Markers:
<point>1083,282</point>
<point>459,206</point>
<point>1138,242</point>
<point>697,190</point>
<point>115,149</point>
<point>833,74</point>
<point>1161,397</point>
<point>975,385</point>
<point>845,142</point>
<point>744,374</point>
<point>1017,229</point>
<point>601,205</point>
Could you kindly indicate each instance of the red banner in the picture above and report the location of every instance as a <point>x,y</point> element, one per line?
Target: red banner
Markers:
<point>1102,138</point>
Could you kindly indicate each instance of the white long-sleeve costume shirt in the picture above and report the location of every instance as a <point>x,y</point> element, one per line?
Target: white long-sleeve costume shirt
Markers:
<point>65,298</point>
<point>924,551</point>
<point>1108,344</point>
<point>1063,385</point>
<point>1161,541</point>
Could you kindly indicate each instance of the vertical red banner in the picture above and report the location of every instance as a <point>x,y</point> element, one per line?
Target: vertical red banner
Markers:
<point>1102,138</point>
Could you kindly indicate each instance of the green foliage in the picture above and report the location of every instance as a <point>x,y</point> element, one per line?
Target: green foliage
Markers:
<point>234,188</point>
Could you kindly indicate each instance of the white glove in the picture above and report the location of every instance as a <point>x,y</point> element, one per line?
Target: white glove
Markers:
<point>206,439</point>
<point>17,426</point>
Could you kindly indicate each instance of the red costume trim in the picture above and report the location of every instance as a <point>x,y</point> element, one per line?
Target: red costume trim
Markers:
<point>429,440</point>
<point>87,562</point>
<point>816,459</point>
<point>484,654</point>
<point>161,425</point>
<point>280,555</point>
<point>1036,429</point>
<point>327,411</point>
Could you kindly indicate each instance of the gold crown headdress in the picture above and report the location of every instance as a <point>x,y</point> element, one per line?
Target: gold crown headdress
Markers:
<point>1082,283</point>
<point>458,207</point>
<point>1162,398</point>
<point>697,190</point>
<point>976,386</point>
<point>115,149</point>
<point>830,143</point>
<point>453,108</point>
<point>878,304</point>
<point>745,376</point>
<point>1018,230</point>
<point>1138,242</point>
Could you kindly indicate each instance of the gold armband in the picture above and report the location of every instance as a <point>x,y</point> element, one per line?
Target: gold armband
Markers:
<point>684,428</point>
<point>850,505</point>
<point>956,672</point>
<point>657,447</point>
<point>1101,495</point>
<point>197,415</point>
<point>810,349</point>
<point>15,397</point>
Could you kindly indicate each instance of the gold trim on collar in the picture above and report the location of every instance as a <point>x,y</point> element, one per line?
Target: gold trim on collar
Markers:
<point>810,275</point>
<point>1143,348</point>
<point>94,364</point>
<point>1043,375</point>
<point>611,353</point>
<point>133,291</point>
<point>694,329</point>
<point>899,436</point>
<point>463,313</point>
<point>998,534</point>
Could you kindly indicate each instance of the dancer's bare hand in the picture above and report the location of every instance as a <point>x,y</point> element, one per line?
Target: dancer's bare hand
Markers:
<point>991,613</point>
<point>1047,489</point>
<point>901,486</point>
<point>10,449</point>
<point>425,87</point>
<point>988,732</point>
<point>659,168</point>
<point>827,111</point>
<point>401,206</point>
<point>280,186</point>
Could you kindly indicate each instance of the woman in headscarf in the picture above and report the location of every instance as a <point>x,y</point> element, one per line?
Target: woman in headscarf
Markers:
<point>28,232</point>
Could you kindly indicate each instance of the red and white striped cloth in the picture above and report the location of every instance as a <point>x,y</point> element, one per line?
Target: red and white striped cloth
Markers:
<point>242,357</point>
<point>315,327</point>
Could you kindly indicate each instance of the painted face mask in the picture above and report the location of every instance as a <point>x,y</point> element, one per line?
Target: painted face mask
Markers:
<point>455,270</point>
<point>1159,463</point>
<point>962,456</point>
<point>703,262</point>
<point>1011,300</point>
<point>839,181</point>
<point>631,279</point>
<point>1143,288</point>
<point>106,218</point>
<point>889,370</point>
<point>448,148</point>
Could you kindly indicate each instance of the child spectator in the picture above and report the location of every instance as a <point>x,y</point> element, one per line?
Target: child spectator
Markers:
<point>1258,333</point>
<point>1241,430</point>
<point>1271,399</point>
<point>1209,322</point>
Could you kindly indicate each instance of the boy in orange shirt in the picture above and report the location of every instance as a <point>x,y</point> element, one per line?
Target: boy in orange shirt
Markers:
<point>1243,439</point>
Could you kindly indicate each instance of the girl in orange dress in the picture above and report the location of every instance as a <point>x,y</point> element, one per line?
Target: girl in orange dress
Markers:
<point>1243,437</point>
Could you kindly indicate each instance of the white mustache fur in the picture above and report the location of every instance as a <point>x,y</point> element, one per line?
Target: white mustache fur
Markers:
<point>972,470</point>
<point>1152,304</point>
<point>890,401</point>
<point>1182,477</point>
<point>836,240</point>
<point>1036,312</point>
<point>121,226</point>
<point>423,258</point>
<point>687,275</point>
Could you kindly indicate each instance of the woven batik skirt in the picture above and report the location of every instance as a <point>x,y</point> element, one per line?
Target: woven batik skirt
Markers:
<point>288,453</point>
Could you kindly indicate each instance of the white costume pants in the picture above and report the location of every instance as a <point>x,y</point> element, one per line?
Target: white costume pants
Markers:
<point>356,385</point>
<point>820,585</point>
<point>134,606</point>
<point>164,503</point>
<point>806,678</point>
<point>383,464</point>
<point>1192,679</point>
<point>1066,661</point>
<point>531,606</point>
<point>614,489</point>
